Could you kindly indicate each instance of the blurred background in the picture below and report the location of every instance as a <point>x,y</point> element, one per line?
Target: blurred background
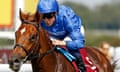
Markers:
<point>101,20</point>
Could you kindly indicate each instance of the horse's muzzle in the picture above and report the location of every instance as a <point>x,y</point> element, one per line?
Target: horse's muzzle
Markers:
<point>15,63</point>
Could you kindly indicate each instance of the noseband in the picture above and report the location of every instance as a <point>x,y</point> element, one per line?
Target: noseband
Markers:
<point>30,55</point>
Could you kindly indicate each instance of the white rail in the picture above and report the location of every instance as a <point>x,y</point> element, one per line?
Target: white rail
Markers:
<point>24,68</point>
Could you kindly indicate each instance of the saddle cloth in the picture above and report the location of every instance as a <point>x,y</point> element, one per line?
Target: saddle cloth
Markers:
<point>90,67</point>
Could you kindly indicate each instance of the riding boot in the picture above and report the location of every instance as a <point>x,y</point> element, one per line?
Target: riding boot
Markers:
<point>80,64</point>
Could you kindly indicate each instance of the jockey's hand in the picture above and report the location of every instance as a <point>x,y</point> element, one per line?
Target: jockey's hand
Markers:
<point>59,42</point>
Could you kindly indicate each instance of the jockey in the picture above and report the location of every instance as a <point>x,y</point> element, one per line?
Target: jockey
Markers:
<point>62,24</point>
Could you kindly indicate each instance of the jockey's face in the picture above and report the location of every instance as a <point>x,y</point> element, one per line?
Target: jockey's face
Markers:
<point>49,18</point>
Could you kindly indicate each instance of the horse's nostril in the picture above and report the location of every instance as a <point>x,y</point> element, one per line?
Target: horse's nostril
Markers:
<point>16,61</point>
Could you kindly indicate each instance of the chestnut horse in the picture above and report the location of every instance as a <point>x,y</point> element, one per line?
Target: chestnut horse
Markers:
<point>33,43</point>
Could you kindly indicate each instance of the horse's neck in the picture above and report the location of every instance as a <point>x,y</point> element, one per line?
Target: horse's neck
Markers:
<point>48,61</point>
<point>45,42</point>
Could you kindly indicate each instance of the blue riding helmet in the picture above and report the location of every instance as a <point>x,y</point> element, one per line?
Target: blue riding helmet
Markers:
<point>47,6</point>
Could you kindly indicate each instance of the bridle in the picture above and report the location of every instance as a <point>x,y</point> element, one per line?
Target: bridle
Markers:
<point>30,55</point>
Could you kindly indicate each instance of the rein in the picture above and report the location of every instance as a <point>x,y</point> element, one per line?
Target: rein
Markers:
<point>42,54</point>
<point>30,55</point>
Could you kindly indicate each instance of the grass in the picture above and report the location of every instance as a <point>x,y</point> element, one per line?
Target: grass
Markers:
<point>6,42</point>
<point>96,40</point>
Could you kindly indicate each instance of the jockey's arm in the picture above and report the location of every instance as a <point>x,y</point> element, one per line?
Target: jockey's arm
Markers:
<point>67,38</point>
<point>74,33</point>
<point>77,40</point>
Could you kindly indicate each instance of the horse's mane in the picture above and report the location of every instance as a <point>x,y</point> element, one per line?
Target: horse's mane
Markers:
<point>46,36</point>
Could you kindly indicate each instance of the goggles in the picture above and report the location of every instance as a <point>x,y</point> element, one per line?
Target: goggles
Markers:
<point>49,15</point>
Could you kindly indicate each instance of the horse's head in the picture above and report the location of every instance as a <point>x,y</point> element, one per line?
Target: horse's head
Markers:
<point>27,38</point>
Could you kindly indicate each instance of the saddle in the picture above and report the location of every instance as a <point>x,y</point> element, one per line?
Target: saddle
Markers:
<point>90,67</point>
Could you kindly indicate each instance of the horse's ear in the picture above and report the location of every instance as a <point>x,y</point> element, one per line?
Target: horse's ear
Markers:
<point>22,15</point>
<point>39,16</point>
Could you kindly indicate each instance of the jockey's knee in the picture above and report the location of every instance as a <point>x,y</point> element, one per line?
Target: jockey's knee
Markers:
<point>75,53</point>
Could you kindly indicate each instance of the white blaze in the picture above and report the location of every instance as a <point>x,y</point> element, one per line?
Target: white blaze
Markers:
<point>23,30</point>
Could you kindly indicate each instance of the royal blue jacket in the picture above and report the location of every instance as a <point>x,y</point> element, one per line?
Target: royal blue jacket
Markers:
<point>67,24</point>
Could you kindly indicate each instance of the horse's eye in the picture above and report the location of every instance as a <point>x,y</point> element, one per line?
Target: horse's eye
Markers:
<point>32,38</point>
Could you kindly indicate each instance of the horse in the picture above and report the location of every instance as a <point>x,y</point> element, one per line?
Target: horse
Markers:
<point>33,43</point>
